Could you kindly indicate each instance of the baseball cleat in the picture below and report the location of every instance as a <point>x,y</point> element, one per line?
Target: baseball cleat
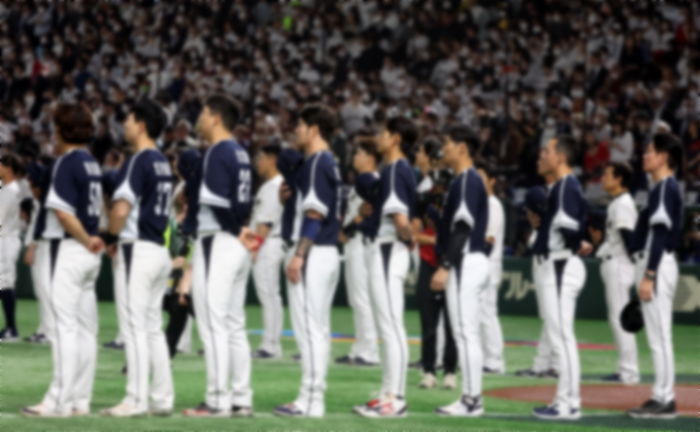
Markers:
<point>653,409</point>
<point>113,345</point>
<point>387,408</point>
<point>289,410</point>
<point>553,412</point>
<point>241,411</point>
<point>346,360</point>
<point>491,371</point>
<point>359,361</point>
<point>449,381</point>
<point>428,381</point>
<point>204,410</point>
<point>123,410</point>
<point>612,378</point>
<point>464,407</point>
<point>38,410</point>
<point>549,373</point>
<point>263,354</point>
<point>9,335</point>
<point>527,373</point>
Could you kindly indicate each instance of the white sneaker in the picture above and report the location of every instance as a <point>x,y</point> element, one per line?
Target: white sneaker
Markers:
<point>463,407</point>
<point>42,410</point>
<point>428,381</point>
<point>449,381</point>
<point>383,408</point>
<point>124,409</point>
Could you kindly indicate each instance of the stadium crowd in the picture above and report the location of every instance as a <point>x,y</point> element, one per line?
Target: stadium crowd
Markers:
<point>609,72</point>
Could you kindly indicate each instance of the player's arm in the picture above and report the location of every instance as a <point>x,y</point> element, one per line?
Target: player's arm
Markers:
<point>397,206</point>
<point>72,225</point>
<point>118,215</point>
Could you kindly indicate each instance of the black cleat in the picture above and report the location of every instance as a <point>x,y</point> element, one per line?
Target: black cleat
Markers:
<point>241,411</point>
<point>262,354</point>
<point>359,361</point>
<point>113,345</point>
<point>612,378</point>
<point>653,409</point>
<point>346,360</point>
<point>526,373</point>
<point>549,373</point>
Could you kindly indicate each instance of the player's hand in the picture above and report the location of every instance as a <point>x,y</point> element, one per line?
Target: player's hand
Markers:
<point>29,255</point>
<point>366,210</point>
<point>182,300</point>
<point>247,238</point>
<point>646,290</point>
<point>586,248</point>
<point>294,269</point>
<point>439,281</point>
<point>179,262</point>
<point>95,244</point>
<point>111,250</point>
<point>285,192</point>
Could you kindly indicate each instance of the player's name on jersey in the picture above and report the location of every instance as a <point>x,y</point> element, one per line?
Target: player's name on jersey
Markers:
<point>162,168</point>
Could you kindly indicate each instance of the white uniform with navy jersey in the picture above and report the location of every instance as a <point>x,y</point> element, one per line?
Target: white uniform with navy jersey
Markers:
<point>70,281</point>
<point>658,230</point>
<point>141,271</point>
<point>491,332</point>
<point>10,226</point>
<point>390,261</point>
<point>318,189</point>
<point>266,269</point>
<point>220,273</point>
<point>617,272</point>
<point>467,202</point>
<point>562,277</point>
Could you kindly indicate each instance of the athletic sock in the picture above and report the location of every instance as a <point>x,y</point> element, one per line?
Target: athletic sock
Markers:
<point>9,301</point>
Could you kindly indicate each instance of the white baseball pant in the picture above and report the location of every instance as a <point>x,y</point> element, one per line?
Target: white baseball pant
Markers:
<point>545,357</point>
<point>310,303</point>
<point>357,286</point>
<point>617,273</point>
<point>266,274</point>
<point>658,324</point>
<point>9,253</point>
<point>70,286</point>
<point>490,325</point>
<point>464,293</point>
<point>219,278</point>
<point>141,274</point>
<point>562,280</point>
<point>388,270</point>
<point>39,267</point>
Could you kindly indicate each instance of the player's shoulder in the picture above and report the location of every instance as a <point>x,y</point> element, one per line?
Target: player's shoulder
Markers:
<point>78,162</point>
<point>672,186</point>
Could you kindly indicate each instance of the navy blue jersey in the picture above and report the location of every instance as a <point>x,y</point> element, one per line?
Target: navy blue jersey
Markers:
<point>367,186</point>
<point>289,164</point>
<point>146,182</point>
<point>189,165</point>
<point>397,195</point>
<point>563,225</point>
<point>41,179</point>
<point>467,202</point>
<point>76,188</point>
<point>318,188</point>
<point>225,189</point>
<point>665,209</point>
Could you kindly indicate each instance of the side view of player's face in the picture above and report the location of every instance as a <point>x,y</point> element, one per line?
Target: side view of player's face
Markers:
<point>549,158</point>
<point>131,129</point>
<point>302,135</point>
<point>384,141</point>
<point>608,180</point>
<point>205,123</point>
<point>3,172</point>
<point>262,164</point>
<point>362,162</point>
<point>653,160</point>
<point>449,152</point>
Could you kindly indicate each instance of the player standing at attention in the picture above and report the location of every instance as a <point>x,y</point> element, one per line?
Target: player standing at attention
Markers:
<point>10,242</point>
<point>657,236</point>
<point>395,205</point>
<point>138,219</point>
<point>616,268</point>
<point>312,263</point>
<point>464,270</point>
<point>220,267</point>
<point>73,206</point>
<point>267,212</point>
<point>490,326</point>
<point>562,273</point>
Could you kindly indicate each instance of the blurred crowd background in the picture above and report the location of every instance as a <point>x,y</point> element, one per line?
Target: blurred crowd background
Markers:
<point>609,72</point>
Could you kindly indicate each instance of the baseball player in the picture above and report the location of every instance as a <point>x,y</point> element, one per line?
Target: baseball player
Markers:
<point>73,208</point>
<point>616,269</point>
<point>561,272</point>
<point>221,257</point>
<point>464,270</point>
<point>265,222</point>
<point>138,219</point>
<point>490,326</point>
<point>10,243</point>
<point>312,262</point>
<point>657,236</point>
<point>394,203</point>
<point>356,235</point>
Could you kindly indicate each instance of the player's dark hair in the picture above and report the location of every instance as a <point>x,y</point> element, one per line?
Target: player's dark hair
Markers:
<point>669,144</point>
<point>566,144</point>
<point>369,146</point>
<point>228,108</point>
<point>461,134</point>
<point>74,123</point>
<point>322,117</point>
<point>14,162</point>
<point>152,115</point>
<point>272,149</point>
<point>431,146</point>
<point>405,129</point>
<point>623,171</point>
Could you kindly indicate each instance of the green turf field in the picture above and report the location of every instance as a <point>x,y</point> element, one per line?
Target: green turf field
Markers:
<point>25,372</point>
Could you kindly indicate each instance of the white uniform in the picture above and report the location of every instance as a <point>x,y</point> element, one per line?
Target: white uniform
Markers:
<point>10,227</point>
<point>491,333</point>
<point>617,272</point>
<point>141,271</point>
<point>69,279</point>
<point>40,251</point>
<point>357,285</point>
<point>267,209</point>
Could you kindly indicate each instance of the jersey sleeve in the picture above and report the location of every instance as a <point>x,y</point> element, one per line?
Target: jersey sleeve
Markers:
<point>398,201</point>
<point>495,226</point>
<point>471,196</point>
<point>270,207</point>
<point>319,196</point>
<point>568,215</point>
<point>663,209</point>
<point>131,181</point>
<point>367,186</point>
<point>624,217</point>
<point>63,193</point>
<point>217,178</point>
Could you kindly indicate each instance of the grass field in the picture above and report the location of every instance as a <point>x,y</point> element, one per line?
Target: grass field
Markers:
<point>25,372</point>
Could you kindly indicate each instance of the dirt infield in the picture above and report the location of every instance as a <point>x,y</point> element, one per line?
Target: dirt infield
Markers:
<point>606,396</point>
